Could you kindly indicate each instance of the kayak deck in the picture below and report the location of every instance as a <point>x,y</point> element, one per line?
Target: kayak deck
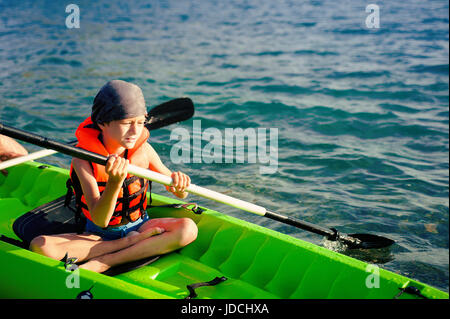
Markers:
<point>257,262</point>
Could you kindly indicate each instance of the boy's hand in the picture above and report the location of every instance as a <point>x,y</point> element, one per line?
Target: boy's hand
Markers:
<point>180,182</point>
<point>116,168</point>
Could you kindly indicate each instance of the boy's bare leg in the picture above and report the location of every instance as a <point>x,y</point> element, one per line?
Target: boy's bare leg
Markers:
<point>178,232</point>
<point>84,246</point>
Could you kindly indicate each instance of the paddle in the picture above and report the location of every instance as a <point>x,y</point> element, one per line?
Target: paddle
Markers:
<point>352,241</point>
<point>170,112</point>
<point>167,113</point>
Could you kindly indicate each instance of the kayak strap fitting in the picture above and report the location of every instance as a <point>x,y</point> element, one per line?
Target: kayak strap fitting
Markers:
<point>86,294</point>
<point>195,209</point>
<point>410,290</point>
<point>69,262</point>
<point>192,287</point>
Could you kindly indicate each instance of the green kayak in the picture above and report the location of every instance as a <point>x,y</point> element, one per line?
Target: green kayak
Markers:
<point>230,258</point>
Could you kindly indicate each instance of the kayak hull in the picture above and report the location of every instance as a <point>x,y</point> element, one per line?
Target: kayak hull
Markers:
<point>257,262</point>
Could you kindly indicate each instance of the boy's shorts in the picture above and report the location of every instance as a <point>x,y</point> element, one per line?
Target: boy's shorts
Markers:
<point>112,233</point>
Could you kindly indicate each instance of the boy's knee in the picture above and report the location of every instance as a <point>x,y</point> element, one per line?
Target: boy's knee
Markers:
<point>41,245</point>
<point>188,231</point>
<point>37,244</point>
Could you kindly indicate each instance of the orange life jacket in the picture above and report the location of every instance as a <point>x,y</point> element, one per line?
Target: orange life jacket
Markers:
<point>132,199</point>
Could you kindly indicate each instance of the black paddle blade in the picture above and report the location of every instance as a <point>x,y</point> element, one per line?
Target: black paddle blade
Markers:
<point>171,112</point>
<point>368,241</point>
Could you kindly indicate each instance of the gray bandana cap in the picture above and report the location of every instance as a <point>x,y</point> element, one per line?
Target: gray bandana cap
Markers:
<point>118,100</point>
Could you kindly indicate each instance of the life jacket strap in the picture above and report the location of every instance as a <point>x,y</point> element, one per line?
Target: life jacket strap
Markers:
<point>72,188</point>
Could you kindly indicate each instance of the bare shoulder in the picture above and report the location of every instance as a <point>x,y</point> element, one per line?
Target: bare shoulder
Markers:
<point>150,151</point>
<point>82,167</point>
<point>87,180</point>
<point>77,162</point>
<point>155,163</point>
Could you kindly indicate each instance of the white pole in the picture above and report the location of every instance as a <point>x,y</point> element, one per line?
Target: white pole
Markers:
<point>26,158</point>
<point>197,190</point>
<point>158,178</point>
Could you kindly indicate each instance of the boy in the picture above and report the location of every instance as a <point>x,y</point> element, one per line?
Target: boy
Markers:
<point>118,229</point>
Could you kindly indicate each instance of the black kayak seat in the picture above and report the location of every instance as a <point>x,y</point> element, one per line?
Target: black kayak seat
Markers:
<point>49,219</point>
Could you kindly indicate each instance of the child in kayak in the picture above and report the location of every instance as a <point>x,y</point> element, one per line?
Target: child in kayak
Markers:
<point>118,229</point>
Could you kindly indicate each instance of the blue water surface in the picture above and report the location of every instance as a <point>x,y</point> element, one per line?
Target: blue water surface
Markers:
<point>362,114</point>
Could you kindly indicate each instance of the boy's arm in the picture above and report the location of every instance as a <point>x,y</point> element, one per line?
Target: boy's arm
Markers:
<point>181,180</point>
<point>101,207</point>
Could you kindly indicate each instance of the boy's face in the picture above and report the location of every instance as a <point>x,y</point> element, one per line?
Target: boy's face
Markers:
<point>124,132</point>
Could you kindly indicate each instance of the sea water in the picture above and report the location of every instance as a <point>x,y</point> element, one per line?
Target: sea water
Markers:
<point>357,91</point>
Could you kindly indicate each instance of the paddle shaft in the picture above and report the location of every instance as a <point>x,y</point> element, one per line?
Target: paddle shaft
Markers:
<point>329,233</point>
<point>132,169</point>
<point>165,180</point>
